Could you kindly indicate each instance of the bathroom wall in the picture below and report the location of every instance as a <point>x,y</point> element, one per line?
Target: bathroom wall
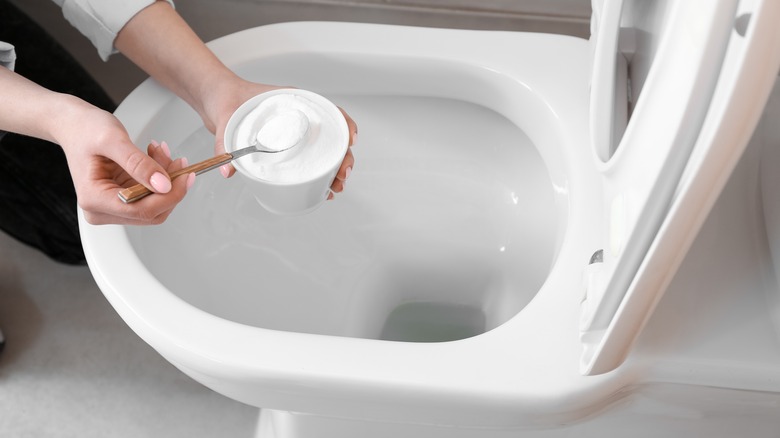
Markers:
<point>214,18</point>
<point>559,16</point>
<point>543,7</point>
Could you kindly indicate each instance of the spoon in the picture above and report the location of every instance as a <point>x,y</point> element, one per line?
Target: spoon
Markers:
<point>279,134</point>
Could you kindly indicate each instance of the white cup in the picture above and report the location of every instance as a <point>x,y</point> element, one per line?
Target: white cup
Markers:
<point>307,191</point>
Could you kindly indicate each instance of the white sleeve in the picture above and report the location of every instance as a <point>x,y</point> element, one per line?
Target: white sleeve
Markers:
<point>101,20</point>
<point>7,56</point>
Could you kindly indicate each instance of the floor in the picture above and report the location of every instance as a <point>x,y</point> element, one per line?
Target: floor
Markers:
<point>71,367</point>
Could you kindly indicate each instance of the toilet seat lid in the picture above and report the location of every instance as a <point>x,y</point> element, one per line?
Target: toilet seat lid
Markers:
<point>676,92</point>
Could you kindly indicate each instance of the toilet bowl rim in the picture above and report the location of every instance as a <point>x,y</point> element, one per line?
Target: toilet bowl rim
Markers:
<point>182,344</point>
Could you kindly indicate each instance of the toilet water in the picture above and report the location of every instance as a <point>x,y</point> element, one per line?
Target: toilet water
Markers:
<point>433,322</point>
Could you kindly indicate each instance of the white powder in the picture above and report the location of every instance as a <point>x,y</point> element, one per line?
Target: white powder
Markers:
<point>283,131</point>
<point>288,117</point>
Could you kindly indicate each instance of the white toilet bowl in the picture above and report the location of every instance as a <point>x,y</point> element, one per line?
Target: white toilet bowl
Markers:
<point>441,294</point>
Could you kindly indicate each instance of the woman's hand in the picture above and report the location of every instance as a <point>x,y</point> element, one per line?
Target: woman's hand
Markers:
<point>103,160</point>
<point>159,41</point>
<point>224,99</point>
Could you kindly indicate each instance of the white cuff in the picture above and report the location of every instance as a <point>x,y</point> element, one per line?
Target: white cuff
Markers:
<point>101,20</point>
<point>7,56</point>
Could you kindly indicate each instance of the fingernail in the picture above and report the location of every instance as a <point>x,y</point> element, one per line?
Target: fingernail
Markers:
<point>160,183</point>
<point>347,172</point>
<point>166,149</point>
<point>154,143</point>
<point>184,162</point>
<point>190,180</point>
<point>224,171</point>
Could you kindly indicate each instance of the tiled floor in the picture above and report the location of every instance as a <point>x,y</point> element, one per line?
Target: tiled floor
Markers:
<point>71,367</point>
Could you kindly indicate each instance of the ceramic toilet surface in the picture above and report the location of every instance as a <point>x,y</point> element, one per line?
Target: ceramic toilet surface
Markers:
<point>454,228</point>
<point>443,287</point>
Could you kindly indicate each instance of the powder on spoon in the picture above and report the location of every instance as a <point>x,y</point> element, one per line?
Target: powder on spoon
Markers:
<point>283,131</point>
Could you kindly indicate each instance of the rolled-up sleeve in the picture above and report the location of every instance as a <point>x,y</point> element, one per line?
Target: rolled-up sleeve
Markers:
<point>7,55</point>
<point>101,20</point>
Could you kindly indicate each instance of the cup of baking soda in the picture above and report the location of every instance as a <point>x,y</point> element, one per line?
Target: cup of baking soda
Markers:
<point>296,180</point>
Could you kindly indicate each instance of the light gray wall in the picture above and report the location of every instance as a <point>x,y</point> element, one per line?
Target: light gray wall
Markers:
<point>215,18</point>
<point>571,17</point>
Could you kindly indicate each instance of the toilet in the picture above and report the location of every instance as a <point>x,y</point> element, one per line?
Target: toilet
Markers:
<point>543,235</point>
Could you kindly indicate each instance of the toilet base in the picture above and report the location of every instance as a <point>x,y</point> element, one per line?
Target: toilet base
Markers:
<point>651,410</point>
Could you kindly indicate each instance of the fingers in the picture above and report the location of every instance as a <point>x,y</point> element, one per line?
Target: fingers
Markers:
<point>226,170</point>
<point>141,167</point>
<point>352,126</point>
<point>344,171</point>
<point>349,159</point>
<point>102,206</point>
<point>160,152</point>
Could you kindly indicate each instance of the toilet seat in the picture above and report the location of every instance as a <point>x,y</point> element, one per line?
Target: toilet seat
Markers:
<point>528,372</point>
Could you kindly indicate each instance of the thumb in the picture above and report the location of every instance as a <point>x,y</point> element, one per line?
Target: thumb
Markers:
<point>140,167</point>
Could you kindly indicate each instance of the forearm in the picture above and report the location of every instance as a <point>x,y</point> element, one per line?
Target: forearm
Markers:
<point>29,109</point>
<point>159,41</point>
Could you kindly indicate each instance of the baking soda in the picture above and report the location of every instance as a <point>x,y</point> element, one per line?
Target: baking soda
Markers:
<point>277,122</point>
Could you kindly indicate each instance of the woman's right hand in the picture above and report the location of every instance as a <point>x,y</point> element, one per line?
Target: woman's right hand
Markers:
<point>101,157</point>
<point>103,160</point>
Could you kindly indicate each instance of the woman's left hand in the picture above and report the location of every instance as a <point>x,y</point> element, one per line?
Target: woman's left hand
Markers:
<point>235,92</point>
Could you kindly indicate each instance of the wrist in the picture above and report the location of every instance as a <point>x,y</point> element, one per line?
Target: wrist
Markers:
<point>221,100</point>
<point>214,95</point>
<point>67,114</point>
<point>33,110</point>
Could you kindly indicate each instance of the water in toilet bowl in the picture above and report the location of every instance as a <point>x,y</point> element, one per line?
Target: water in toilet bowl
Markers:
<point>438,221</point>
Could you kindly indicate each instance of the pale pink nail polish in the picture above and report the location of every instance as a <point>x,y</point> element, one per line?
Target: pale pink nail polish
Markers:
<point>224,171</point>
<point>190,180</point>
<point>347,172</point>
<point>166,149</point>
<point>160,183</point>
<point>154,143</point>
<point>184,162</point>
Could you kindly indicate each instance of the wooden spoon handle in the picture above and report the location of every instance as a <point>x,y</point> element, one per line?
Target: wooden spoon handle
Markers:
<point>138,191</point>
